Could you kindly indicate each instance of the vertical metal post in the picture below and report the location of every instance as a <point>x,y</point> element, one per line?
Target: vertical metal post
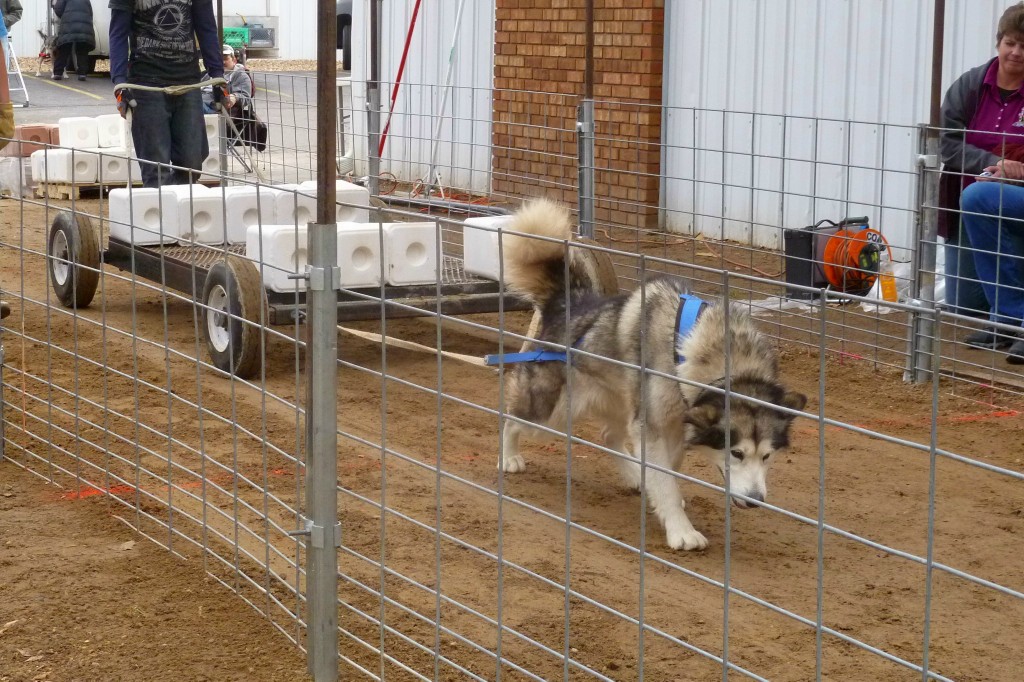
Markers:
<point>324,531</point>
<point>923,320</point>
<point>923,317</point>
<point>373,100</point>
<point>585,132</point>
<point>3,440</point>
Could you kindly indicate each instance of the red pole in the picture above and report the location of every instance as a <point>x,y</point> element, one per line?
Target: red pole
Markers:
<point>398,78</point>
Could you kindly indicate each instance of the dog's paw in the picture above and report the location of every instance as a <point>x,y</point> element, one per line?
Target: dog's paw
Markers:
<point>688,540</point>
<point>513,464</point>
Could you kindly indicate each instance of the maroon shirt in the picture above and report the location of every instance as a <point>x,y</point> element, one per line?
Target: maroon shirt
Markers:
<point>996,124</point>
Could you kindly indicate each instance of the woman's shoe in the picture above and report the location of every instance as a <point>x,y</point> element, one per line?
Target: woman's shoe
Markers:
<point>1015,355</point>
<point>988,339</point>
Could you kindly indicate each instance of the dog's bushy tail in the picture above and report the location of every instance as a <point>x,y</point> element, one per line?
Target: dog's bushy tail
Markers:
<point>534,267</point>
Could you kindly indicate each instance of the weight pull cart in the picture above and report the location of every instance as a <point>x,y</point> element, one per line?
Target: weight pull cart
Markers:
<point>229,285</point>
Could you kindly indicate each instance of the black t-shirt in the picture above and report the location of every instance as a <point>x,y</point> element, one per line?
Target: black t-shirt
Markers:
<point>162,42</point>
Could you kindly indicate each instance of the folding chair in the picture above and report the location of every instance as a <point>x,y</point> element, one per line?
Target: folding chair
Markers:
<point>245,129</point>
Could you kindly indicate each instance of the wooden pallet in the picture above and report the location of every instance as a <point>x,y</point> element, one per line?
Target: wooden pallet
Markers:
<point>72,191</point>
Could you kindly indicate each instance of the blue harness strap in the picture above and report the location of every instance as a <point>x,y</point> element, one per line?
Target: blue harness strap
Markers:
<point>689,310</point>
<point>686,316</point>
<point>529,356</point>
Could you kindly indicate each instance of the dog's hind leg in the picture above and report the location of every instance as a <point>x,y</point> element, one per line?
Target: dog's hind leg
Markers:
<point>666,500</point>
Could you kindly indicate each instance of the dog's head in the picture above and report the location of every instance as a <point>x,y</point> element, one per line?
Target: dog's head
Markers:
<point>750,438</point>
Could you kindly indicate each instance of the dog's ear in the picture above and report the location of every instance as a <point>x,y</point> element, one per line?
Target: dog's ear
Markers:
<point>794,401</point>
<point>703,416</point>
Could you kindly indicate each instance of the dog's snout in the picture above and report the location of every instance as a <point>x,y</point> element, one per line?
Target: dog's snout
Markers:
<point>754,499</point>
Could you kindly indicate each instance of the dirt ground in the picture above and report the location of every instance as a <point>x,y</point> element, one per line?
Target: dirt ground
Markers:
<point>85,597</point>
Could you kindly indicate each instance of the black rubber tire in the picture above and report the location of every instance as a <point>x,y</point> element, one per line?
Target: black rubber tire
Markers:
<point>345,41</point>
<point>234,310</point>
<point>73,259</point>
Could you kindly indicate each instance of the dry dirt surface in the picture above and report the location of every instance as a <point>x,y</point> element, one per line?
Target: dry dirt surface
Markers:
<point>70,562</point>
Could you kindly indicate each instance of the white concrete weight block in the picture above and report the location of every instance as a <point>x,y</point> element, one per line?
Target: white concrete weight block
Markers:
<point>211,167</point>
<point>143,216</point>
<point>480,245</point>
<point>410,253</point>
<point>66,165</point>
<point>247,205</point>
<point>200,214</point>
<point>353,201</point>
<point>79,132</point>
<point>113,165</point>
<point>112,131</point>
<point>293,205</point>
<point>359,258</point>
<point>212,130</point>
<point>279,251</point>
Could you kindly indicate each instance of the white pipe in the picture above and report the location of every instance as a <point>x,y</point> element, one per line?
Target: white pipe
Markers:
<point>444,97</point>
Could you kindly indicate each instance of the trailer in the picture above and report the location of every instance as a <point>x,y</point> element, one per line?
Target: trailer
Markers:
<point>234,304</point>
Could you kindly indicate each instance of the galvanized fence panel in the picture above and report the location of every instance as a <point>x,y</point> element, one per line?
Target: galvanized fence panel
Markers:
<point>880,552</point>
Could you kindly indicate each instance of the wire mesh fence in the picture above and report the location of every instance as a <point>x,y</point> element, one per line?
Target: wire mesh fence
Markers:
<point>878,552</point>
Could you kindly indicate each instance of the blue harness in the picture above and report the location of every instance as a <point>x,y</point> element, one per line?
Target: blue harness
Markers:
<point>686,317</point>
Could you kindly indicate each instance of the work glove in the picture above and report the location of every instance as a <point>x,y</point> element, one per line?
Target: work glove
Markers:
<point>220,96</point>
<point>124,102</point>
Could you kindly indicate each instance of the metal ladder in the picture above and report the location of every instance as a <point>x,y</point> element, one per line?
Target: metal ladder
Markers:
<point>14,78</point>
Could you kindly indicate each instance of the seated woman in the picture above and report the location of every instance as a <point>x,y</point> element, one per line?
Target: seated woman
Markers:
<point>983,118</point>
<point>979,118</point>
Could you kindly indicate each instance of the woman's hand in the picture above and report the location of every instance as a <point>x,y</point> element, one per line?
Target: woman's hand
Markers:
<point>1011,170</point>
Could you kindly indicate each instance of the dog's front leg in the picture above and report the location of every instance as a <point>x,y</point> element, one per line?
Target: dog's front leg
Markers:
<point>667,501</point>
<point>511,461</point>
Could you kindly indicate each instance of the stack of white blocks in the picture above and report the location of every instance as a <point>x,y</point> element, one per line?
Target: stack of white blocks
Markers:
<point>92,150</point>
<point>409,254</point>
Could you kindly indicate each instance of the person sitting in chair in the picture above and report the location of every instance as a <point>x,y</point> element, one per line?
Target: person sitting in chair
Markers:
<point>239,84</point>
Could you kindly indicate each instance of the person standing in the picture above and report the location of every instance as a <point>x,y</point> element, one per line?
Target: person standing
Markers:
<point>11,9</point>
<point>75,37</point>
<point>153,44</point>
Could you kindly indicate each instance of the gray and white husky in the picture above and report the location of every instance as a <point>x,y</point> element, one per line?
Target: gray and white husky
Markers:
<point>679,404</point>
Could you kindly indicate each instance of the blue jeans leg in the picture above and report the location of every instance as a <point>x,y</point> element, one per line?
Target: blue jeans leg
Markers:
<point>169,129</point>
<point>964,295</point>
<point>994,221</point>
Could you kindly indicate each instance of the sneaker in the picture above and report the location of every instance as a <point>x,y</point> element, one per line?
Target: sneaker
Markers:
<point>58,78</point>
<point>81,78</point>
<point>988,339</point>
<point>1015,355</point>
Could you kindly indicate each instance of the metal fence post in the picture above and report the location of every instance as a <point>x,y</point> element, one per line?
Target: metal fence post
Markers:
<point>923,326</point>
<point>4,312</point>
<point>585,141</point>
<point>323,532</point>
<point>373,102</point>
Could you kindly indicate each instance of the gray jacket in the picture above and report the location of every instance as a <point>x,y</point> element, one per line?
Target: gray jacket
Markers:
<point>11,9</point>
<point>958,108</point>
<point>239,85</point>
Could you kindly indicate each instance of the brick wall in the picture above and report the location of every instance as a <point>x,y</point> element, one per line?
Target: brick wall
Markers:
<point>538,83</point>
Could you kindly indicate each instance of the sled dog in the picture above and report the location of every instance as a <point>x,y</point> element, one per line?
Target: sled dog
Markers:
<point>650,413</point>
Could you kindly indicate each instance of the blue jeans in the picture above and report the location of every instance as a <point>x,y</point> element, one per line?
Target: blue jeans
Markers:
<point>964,295</point>
<point>169,129</point>
<point>994,221</point>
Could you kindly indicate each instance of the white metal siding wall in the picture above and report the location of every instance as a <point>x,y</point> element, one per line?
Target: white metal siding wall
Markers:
<point>464,152</point>
<point>784,112</point>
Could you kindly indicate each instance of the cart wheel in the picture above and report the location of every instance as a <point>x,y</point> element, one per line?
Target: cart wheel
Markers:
<point>234,308</point>
<point>73,250</point>
<point>607,281</point>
